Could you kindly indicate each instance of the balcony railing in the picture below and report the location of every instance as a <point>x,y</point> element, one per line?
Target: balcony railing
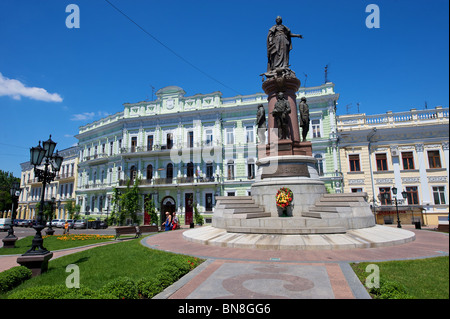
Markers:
<point>391,119</point>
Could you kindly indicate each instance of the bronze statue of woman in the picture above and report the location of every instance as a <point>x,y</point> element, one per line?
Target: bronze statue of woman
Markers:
<point>278,45</point>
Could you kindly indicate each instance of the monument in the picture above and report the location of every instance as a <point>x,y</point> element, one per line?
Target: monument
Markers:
<point>289,207</point>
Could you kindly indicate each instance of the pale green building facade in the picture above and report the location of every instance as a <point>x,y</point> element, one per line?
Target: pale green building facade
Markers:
<point>187,150</point>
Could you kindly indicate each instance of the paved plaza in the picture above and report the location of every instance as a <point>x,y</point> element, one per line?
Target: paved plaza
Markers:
<point>239,273</point>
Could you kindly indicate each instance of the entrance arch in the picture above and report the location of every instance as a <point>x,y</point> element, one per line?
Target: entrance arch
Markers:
<point>167,205</point>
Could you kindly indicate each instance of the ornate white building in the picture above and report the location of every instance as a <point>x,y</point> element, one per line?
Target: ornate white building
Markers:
<point>406,150</point>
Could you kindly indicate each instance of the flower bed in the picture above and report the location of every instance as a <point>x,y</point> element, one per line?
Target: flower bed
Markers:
<point>80,237</point>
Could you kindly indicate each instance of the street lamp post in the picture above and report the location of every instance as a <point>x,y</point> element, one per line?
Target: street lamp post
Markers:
<point>404,194</point>
<point>10,240</point>
<point>37,256</point>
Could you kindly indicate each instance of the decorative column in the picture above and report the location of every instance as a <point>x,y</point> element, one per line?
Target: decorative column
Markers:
<point>426,199</point>
<point>446,155</point>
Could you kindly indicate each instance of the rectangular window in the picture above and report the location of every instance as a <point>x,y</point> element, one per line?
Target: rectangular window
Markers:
<point>434,159</point>
<point>412,195</point>
<point>169,141</point>
<point>382,196</point>
<point>209,171</point>
<point>249,135</point>
<point>190,139</point>
<point>381,162</point>
<point>316,128</point>
<point>208,202</point>
<point>209,137</point>
<point>408,160</point>
<point>251,171</point>
<point>111,148</point>
<point>230,135</point>
<point>439,195</point>
<point>356,190</point>
<point>133,144</point>
<point>149,142</point>
<point>354,163</point>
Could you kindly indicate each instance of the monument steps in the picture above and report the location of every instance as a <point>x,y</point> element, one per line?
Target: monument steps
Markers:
<point>288,231</point>
<point>241,207</point>
<point>330,204</point>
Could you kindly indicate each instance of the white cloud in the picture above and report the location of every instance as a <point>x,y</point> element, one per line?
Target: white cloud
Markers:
<point>89,116</point>
<point>83,116</point>
<point>16,89</point>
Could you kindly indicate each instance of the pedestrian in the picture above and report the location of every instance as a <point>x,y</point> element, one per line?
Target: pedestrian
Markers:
<point>168,223</point>
<point>174,221</point>
<point>66,227</point>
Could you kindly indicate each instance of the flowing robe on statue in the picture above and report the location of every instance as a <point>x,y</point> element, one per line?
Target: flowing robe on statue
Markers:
<point>278,46</point>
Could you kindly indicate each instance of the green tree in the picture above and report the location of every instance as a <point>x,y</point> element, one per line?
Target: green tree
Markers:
<point>115,217</point>
<point>6,180</point>
<point>197,216</point>
<point>48,214</point>
<point>73,209</point>
<point>151,210</point>
<point>129,201</point>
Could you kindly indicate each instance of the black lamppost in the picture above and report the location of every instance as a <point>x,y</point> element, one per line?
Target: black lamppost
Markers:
<point>50,231</point>
<point>404,194</point>
<point>52,164</point>
<point>10,240</point>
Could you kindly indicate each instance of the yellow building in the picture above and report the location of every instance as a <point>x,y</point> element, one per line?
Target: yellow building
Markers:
<point>62,188</point>
<point>408,151</point>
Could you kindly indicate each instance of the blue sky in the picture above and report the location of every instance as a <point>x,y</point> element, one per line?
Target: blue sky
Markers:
<point>54,79</point>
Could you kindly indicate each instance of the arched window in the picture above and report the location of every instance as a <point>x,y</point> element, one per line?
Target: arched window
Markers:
<point>319,164</point>
<point>149,172</point>
<point>230,170</point>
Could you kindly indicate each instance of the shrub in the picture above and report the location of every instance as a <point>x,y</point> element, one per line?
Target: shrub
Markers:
<point>13,277</point>
<point>122,288</point>
<point>59,292</point>
<point>390,290</point>
<point>149,287</point>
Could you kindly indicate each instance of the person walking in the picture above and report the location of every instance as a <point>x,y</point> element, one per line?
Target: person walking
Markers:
<point>66,227</point>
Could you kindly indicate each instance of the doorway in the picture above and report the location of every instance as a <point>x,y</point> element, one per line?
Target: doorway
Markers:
<point>188,203</point>
<point>167,205</point>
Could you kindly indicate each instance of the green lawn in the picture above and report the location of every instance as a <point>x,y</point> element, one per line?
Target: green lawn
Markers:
<point>102,264</point>
<point>52,243</point>
<point>421,278</point>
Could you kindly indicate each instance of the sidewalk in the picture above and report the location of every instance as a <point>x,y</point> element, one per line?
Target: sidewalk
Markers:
<point>238,273</point>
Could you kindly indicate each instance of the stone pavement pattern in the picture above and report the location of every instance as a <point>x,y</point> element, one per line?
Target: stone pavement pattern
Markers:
<point>231,273</point>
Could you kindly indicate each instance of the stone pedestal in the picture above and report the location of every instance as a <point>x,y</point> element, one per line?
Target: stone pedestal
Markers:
<point>37,263</point>
<point>292,145</point>
<point>9,242</point>
<point>297,172</point>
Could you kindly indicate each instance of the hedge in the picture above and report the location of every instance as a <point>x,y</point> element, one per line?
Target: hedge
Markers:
<point>13,277</point>
<point>119,288</point>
